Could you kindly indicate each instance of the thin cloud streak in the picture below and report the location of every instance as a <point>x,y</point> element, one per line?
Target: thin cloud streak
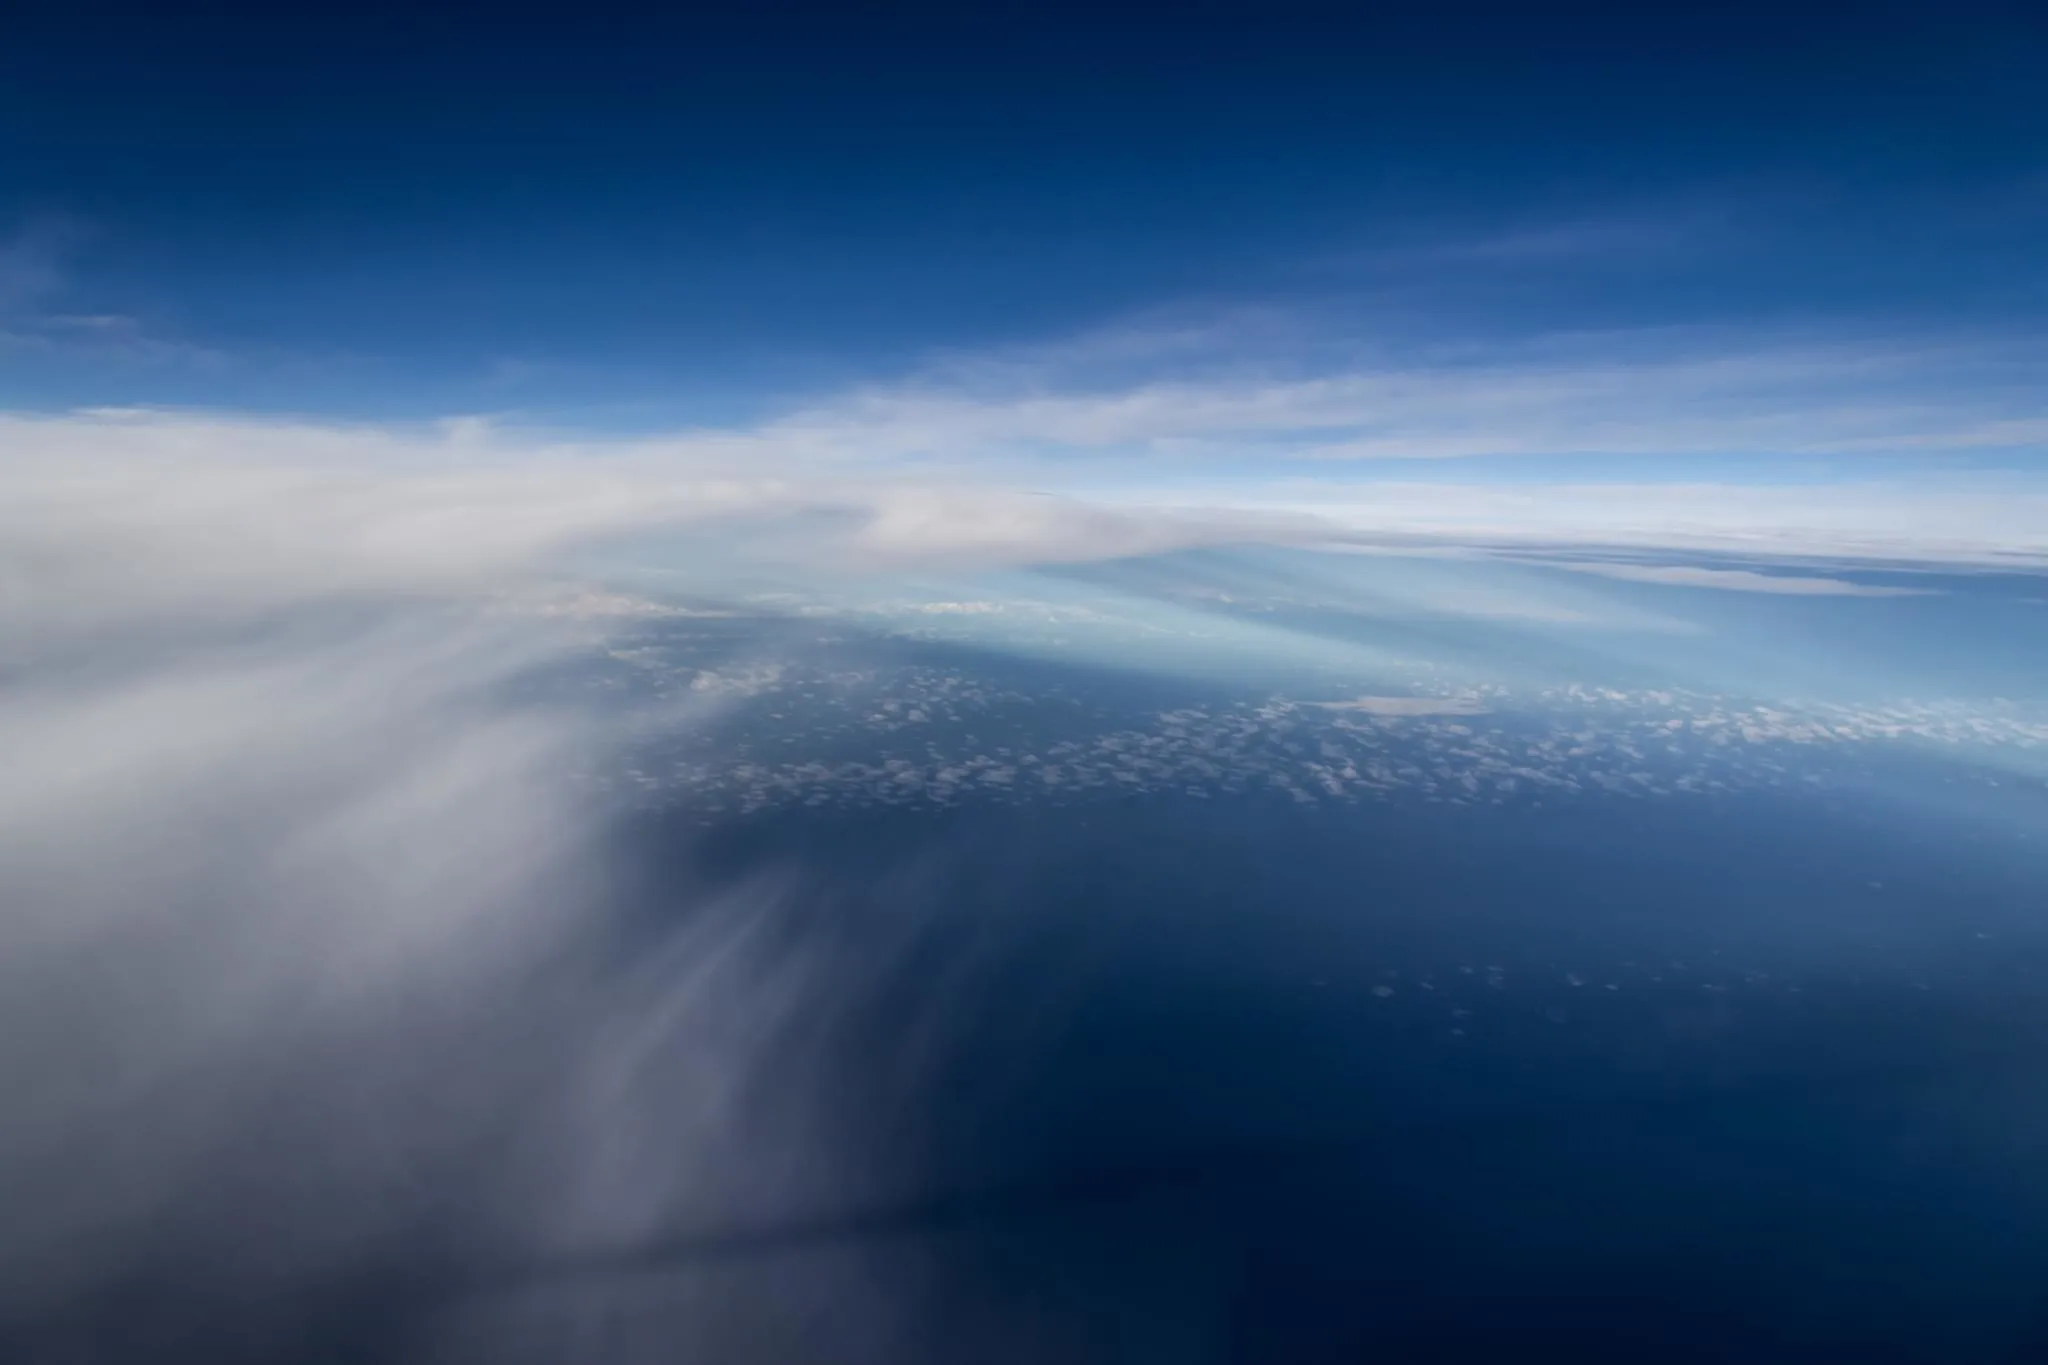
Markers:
<point>34,279</point>
<point>1959,522</point>
<point>1732,580</point>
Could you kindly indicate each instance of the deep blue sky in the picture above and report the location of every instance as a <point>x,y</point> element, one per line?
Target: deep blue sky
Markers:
<point>641,218</point>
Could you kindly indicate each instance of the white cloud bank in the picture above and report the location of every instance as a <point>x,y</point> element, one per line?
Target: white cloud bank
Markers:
<point>137,513</point>
<point>302,934</point>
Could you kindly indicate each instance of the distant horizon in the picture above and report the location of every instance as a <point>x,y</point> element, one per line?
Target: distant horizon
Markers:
<point>1207,258</point>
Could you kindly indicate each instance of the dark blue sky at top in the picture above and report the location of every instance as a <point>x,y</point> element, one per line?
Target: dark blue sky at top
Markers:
<point>377,209</point>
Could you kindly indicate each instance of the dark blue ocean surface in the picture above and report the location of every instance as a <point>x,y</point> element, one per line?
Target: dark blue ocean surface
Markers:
<point>1736,1079</point>
<point>1162,1015</point>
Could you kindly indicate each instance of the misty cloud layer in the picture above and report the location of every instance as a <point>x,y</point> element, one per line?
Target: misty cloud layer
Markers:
<point>310,961</point>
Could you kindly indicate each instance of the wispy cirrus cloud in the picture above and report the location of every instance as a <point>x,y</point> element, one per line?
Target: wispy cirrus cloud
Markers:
<point>35,280</point>
<point>1654,392</point>
<point>30,263</point>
